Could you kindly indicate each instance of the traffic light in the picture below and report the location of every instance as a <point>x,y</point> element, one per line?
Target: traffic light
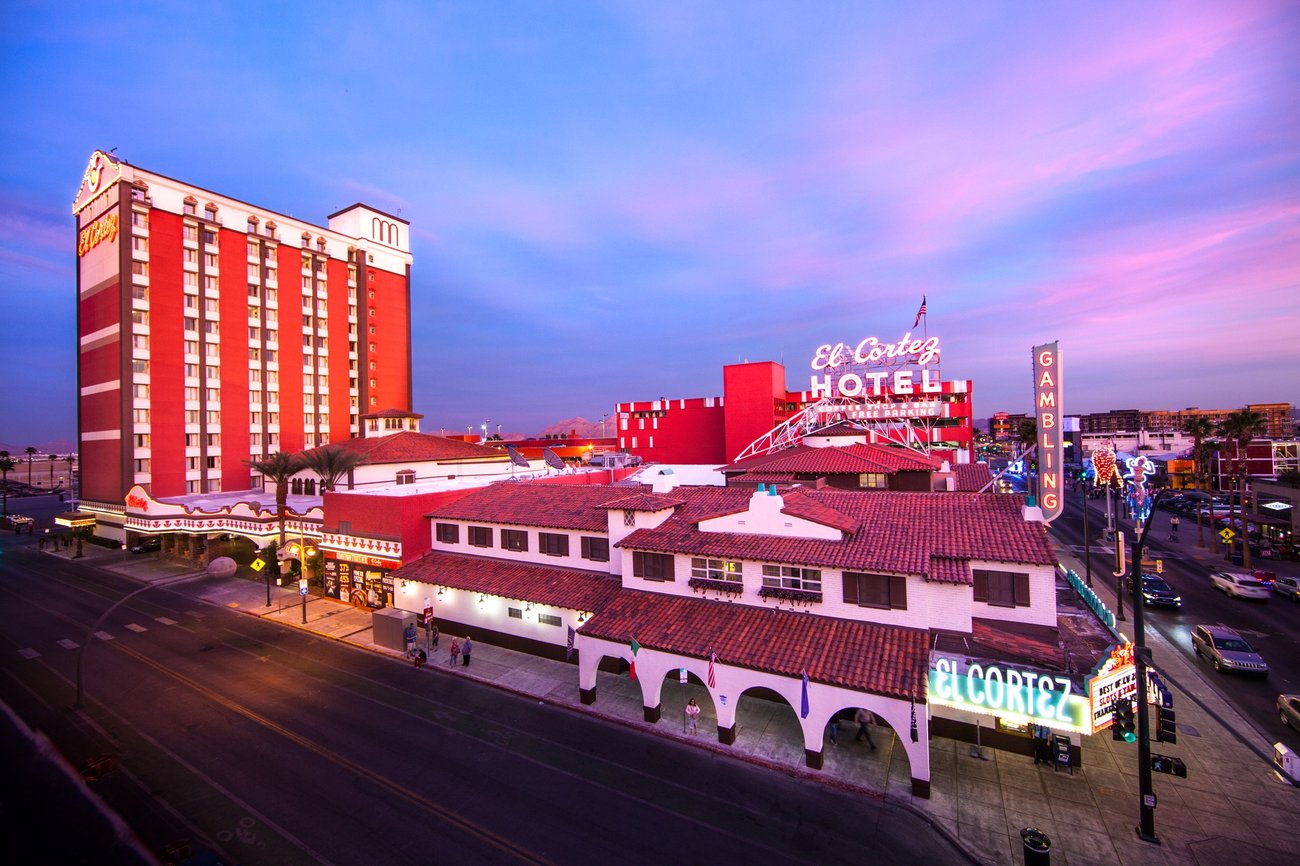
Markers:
<point>1123,722</point>
<point>1166,725</point>
<point>1166,764</point>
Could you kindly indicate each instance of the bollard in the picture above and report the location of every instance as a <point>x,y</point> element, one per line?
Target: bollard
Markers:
<point>1038,847</point>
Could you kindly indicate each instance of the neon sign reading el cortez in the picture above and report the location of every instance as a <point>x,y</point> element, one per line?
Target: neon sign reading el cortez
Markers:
<point>1042,697</point>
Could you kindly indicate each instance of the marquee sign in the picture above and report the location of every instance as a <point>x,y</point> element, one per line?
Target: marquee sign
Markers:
<point>1036,697</point>
<point>1051,444</point>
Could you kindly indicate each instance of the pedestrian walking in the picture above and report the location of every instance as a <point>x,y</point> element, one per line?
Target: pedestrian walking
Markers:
<point>454,654</point>
<point>1173,528</point>
<point>833,728</point>
<point>409,634</point>
<point>465,650</point>
<point>693,716</point>
<point>864,719</point>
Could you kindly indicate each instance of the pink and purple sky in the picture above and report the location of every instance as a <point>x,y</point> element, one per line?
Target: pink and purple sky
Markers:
<point>609,201</point>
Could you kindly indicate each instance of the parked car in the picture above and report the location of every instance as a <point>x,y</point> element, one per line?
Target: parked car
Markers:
<point>1227,650</point>
<point>1288,710</point>
<point>1288,586</point>
<point>1238,585</point>
<point>148,545</point>
<point>1157,593</point>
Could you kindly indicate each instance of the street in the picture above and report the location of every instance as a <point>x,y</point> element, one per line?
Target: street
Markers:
<point>1272,627</point>
<point>268,744</point>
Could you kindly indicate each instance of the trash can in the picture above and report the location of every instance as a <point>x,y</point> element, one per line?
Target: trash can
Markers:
<point>1038,848</point>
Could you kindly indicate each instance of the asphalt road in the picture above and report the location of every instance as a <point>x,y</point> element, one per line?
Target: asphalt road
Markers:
<point>1273,627</point>
<point>266,744</point>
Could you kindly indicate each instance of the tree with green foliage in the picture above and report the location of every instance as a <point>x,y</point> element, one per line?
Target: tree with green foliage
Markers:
<point>1241,428</point>
<point>6,466</point>
<point>1200,429</point>
<point>31,455</point>
<point>331,463</point>
<point>278,468</point>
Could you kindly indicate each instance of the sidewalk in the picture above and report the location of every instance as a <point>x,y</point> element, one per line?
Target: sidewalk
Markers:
<point>1229,809</point>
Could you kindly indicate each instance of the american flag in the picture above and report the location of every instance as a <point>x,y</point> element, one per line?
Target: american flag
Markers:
<point>920,313</point>
<point>713,682</point>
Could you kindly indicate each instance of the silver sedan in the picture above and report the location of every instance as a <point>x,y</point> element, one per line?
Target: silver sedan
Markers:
<point>1288,710</point>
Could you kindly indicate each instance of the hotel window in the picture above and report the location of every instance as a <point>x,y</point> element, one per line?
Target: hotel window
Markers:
<point>139,218</point>
<point>210,283</point>
<point>140,416</point>
<point>1001,588</point>
<point>191,416</point>
<point>141,391</point>
<point>210,211</point>
<point>872,481</point>
<point>210,306</point>
<point>137,193</point>
<point>191,257</point>
<point>480,536</point>
<point>372,329</point>
<point>789,577</point>
<point>211,372</point>
<point>209,259</point>
<point>190,280</point>
<point>515,612</point>
<point>139,244</point>
<point>214,440</point>
<point>192,348</point>
<point>192,463</point>
<point>140,341</point>
<point>514,539</point>
<point>191,303</point>
<point>140,269</point>
<point>214,462</point>
<point>553,543</point>
<point>595,549</point>
<point>139,366</point>
<point>140,293</point>
<point>884,591</point>
<point>214,395</point>
<point>447,533</point>
<point>214,418</point>
<point>211,327</point>
<point>191,393</point>
<point>189,207</point>
<point>140,317</point>
<point>629,517</point>
<point>191,440</point>
<point>209,237</point>
<point>547,619</point>
<point>190,233</point>
<point>716,569</point>
<point>142,466</point>
<point>652,566</point>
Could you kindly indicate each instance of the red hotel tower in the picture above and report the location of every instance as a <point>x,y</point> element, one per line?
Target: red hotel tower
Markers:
<point>211,331</point>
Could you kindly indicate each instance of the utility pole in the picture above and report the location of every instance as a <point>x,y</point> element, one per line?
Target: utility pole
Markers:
<point>1146,828</point>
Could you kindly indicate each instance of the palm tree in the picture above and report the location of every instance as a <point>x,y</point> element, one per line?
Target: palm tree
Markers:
<point>70,459</point>
<point>330,463</point>
<point>54,458</point>
<point>279,468</point>
<point>6,466</point>
<point>1200,429</point>
<point>31,453</point>
<point>1241,427</point>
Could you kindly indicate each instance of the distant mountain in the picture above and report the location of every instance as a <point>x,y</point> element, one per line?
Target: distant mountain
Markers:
<point>579,427</point>
<point>61,447</point>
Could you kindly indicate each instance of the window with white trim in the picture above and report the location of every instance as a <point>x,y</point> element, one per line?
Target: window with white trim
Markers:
<point>792,577</point>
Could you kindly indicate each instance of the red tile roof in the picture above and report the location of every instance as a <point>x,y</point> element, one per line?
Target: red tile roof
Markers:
<point>411,447</point>
<point>392,413</point>
<point>526,503</point>
<point>643,502</point>
<point>972,477</point>
<point>900,533</point>
<point>895,458</point>
<point>885,660</point>
<point>798,504</point>
<point>559,587</point>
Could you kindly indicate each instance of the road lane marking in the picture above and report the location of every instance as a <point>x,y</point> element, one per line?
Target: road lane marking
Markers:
<point>69,644</point>
<point>164,620</point>
<point>103,635</point>
<point>29,653</point>
<point>136,628</point>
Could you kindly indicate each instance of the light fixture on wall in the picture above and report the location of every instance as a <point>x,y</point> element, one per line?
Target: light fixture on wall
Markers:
<point>582,617</point>
<point>482,600</point>
<point>442,593</point>
<point>528,611</point>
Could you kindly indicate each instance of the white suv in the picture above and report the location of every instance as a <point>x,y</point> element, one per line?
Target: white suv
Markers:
<point>1240,585</point>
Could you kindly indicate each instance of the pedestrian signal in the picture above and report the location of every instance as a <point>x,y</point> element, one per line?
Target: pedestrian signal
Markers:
<point>1166,725</point>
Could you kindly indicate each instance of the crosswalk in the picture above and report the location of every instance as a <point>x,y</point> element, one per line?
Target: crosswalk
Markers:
<point>67,643</point>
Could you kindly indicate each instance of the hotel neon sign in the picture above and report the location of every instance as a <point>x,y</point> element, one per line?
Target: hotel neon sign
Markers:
<point>1051,446</point>
<point>1020,695</point>
<point>870,351</point>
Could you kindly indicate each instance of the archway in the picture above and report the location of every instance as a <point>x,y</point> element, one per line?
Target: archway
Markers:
<point>871,758</point>
<point>606,674</point>
<point>673,695</point>
<point>767,723</point>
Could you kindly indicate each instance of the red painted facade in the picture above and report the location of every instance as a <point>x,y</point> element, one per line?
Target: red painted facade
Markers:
<point>176,398</point>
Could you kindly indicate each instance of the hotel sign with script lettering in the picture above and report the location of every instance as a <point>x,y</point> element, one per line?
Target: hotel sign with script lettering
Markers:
<point>870,352</point>
<point>1051,445</point>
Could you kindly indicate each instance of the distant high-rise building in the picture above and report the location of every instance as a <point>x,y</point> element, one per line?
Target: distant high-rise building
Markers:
<point>1279,419</point>
<point>210,330</point>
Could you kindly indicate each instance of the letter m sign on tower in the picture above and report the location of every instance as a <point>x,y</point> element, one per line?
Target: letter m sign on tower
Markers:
<point>1051,446</point>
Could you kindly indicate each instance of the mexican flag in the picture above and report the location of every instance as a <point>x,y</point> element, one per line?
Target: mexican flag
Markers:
<point>636,647</point>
